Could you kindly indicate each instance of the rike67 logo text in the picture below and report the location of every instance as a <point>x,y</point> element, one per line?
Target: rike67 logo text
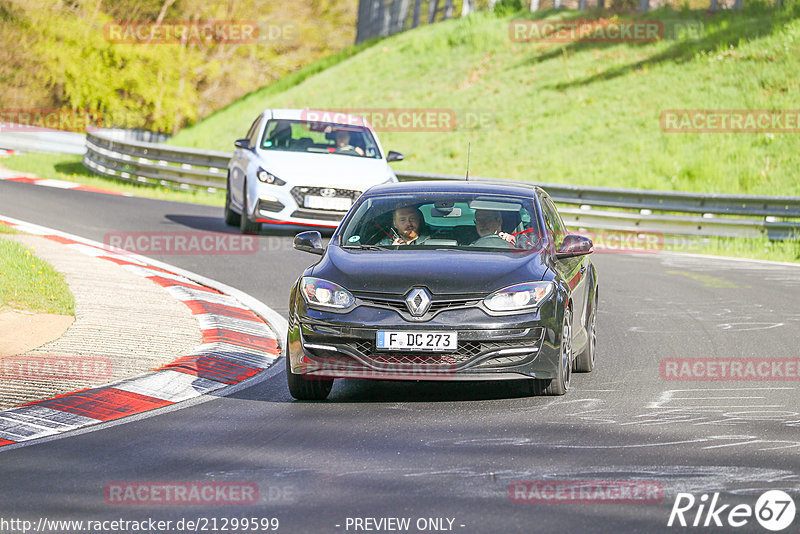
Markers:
<point>774,510</point>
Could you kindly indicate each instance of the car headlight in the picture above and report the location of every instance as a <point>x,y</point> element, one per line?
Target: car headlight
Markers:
<point>519,297</point>
<point>323,293</point>
<point>268,177</point>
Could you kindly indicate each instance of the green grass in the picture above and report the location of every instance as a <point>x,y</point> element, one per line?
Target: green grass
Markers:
<point>29,283</point>
<point>577,113</point>
<point>760,249</point>
<point>69,167</point>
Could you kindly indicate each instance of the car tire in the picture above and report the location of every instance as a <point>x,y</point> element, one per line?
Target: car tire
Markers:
<point>584,362</point>
<point>231,217</point>
<point>245,225</point>
<point>560,384</point>
<point>302,388</point>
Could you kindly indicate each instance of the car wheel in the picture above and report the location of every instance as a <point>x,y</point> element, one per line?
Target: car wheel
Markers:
<point>560,384</point>
<point>231,217</point>
<point>302,388</point>
<point>584,362</point>
<point>245,225</point>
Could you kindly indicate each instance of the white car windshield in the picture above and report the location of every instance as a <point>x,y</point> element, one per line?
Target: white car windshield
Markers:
<point>443,220</point>
<point>320,138</point>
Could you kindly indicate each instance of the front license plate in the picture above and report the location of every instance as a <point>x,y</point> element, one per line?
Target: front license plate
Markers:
<point>328,203</point>
<point>433,341</point>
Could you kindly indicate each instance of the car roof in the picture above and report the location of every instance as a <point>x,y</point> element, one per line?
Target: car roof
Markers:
<point>317,115</point>
<point>455,186</point>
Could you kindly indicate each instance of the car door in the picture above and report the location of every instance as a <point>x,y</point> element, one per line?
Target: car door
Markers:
<point>241,160</point>
<point>572,270</point>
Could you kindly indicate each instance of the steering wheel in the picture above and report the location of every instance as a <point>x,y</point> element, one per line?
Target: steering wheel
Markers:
<point>491,240</point>
<point>346,149</point>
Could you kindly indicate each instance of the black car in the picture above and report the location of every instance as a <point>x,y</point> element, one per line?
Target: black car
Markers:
<point>488,285</point>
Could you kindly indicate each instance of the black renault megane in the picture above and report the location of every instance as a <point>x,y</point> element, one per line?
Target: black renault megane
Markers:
<point>444,281</point>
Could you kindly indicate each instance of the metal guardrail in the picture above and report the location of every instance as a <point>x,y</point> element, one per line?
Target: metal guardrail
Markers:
<point>155,163</point>
<point>42,141</point>
<point>643,199</point>
<point>708,214</point>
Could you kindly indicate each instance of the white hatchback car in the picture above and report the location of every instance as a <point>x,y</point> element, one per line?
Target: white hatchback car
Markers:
<point>303,167</point>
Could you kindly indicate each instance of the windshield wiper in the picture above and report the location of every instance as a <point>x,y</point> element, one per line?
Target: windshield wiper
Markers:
<point>365,247</point>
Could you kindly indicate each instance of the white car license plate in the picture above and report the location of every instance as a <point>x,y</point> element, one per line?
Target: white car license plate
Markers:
<point>433,341</point>
<point>328,203</point>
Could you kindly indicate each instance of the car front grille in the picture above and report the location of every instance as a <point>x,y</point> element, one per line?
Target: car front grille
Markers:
<point>299,194</point>
<point>319,215</point>
<point>486,353</point>
<point>398,304</point>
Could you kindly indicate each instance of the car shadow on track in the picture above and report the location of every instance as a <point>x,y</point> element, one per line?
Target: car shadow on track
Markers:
<point>274,389</point>
<point>425,391</point>
<point>217,224</point>
<point>202,222</point>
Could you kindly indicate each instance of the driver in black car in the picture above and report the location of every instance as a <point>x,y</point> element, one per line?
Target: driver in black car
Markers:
<point>489,224</point>
<point>343,145</point>
<point>408,228</point>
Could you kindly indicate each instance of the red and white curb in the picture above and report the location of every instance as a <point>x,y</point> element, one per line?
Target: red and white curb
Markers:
<point>241,338</point>
<point>25,178</point>
<point>5,152</point>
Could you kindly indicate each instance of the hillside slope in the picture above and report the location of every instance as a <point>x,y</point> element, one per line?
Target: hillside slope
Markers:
<point>571,112</point>
<point>57,55</point>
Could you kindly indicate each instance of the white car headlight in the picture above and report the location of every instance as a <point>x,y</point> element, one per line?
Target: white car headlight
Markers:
<point>323,293</point>
<point>268,177</point>
<point>519,297</point>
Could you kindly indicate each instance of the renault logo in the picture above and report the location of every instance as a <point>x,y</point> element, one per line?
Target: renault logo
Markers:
<point>418,301</point>
<point>327,192</point>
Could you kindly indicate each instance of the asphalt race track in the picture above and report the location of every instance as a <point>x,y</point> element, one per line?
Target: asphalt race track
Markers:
<point>449,450</point>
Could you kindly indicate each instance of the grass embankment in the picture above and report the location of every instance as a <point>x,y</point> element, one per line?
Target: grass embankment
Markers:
<point>578,113</point>
<point>759,249</point>
<point>29,283</point>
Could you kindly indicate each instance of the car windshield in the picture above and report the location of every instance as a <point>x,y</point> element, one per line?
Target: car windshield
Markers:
<point>443,220</point>
<point>320,138</point>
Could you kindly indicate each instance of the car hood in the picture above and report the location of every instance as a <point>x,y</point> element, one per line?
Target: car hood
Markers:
<point>326,170</point>
<point>441,271</point>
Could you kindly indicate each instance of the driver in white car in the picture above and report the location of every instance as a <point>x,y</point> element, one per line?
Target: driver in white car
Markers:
<point>343,143</point>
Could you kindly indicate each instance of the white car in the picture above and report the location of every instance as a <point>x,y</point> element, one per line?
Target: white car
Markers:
<point>303,167</point>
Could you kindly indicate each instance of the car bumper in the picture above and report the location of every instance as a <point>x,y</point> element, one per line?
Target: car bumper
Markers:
<point>330,345</point>
<point>278,205</point>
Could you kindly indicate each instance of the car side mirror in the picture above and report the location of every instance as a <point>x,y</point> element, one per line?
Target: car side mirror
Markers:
<point>309,242</point>
<point>575,245</point>
<point>394,156</point>
<point>242,143</point>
